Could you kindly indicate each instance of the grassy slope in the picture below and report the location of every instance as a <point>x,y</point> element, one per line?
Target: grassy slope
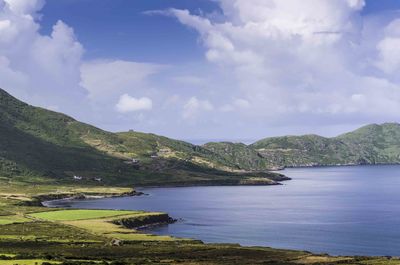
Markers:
<point>73,215</point>
<point>300,150</point>
<point>37,143</point>
<point>374,143</point>
<point>239,154</point>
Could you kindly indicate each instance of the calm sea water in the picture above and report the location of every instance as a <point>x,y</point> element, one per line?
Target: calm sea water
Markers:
<point>335,210</point>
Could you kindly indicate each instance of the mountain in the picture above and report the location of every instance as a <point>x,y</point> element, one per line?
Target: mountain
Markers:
<point>371,144</point>
<point>36,143</point>
<point>41,145</point>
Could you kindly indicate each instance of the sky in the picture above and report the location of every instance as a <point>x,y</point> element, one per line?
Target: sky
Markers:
<point>200,70</point>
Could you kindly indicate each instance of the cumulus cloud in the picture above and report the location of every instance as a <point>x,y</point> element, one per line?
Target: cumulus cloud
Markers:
<point>308,58</point>
<point>194,107</point>
<point>127,103</point>
<point>39,68</point>
<point>25,7</point>
<point>389,49</point>
<point>49,70</point>
<point>268,63</point>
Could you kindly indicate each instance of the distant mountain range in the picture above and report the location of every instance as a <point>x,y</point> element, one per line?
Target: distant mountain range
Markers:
<point>369,145</point>
<point>41,145</point>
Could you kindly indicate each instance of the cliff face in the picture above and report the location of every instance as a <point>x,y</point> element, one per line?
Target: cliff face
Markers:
<point>145,221</point>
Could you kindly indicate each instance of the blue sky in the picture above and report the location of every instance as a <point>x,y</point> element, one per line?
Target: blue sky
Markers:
<point>201,69</point>
<point>119,29</point>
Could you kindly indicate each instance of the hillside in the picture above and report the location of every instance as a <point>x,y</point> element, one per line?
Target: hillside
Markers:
<point>239,154</point>
<point>38,144</point>
<point>43,144</point>
<point>371,144</point>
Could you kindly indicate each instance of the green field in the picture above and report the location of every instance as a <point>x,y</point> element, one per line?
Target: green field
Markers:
<point>5,220</point>
<point>73,215</point>
<point>27,262</point>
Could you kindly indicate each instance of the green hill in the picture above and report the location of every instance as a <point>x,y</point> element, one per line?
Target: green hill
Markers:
<point>372,144</point>
<point>38,144</point>
<point>239,154</point>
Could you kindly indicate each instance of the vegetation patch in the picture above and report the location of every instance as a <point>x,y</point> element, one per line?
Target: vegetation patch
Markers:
<point>28,262</point>
<point>71,215</point>
<point>114,227</point>
<point>11,219</point>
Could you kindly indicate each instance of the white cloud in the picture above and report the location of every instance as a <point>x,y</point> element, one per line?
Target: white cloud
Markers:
<point>269,62</point>
<point>194,107</point>
<point>104,78</point>
<point>389,49</point>
<point>41,69</point>
<point>127,103</point>
<point>25,7</point>
<point>308,57</point>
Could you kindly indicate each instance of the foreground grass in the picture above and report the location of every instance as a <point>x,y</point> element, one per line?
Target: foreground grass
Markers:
<point>28,262</point>
<point>72,215</point>
<point>11,219</point>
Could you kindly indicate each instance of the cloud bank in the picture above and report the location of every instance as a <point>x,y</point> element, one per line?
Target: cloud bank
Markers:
<point>270,67</point>
<point>303,61</point>
<point>49,70</point>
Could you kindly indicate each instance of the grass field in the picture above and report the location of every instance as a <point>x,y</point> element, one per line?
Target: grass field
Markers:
<point>5,220</point>
<point>72,215</point>
<point>107,227</point>
<point>101,222</point>
<point>27,262</point>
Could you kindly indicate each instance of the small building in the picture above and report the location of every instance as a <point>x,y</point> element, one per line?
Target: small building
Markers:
<point>77,177</point>
<point>164,151</point>
<point>98,179</point>
<point>132,162</point>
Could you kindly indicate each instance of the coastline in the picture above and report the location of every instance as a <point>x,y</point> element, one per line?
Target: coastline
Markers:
<point>150,223</point>
<point>333,165</point>
<point>292,248</point>
<point>46,199</point>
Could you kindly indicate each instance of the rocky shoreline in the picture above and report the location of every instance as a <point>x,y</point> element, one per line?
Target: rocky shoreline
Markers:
<point>317,165</point>
<point>145,222</point>
<point>46,199</point>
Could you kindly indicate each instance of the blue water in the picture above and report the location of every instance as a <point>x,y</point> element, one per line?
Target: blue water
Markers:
<point>335,210</point>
